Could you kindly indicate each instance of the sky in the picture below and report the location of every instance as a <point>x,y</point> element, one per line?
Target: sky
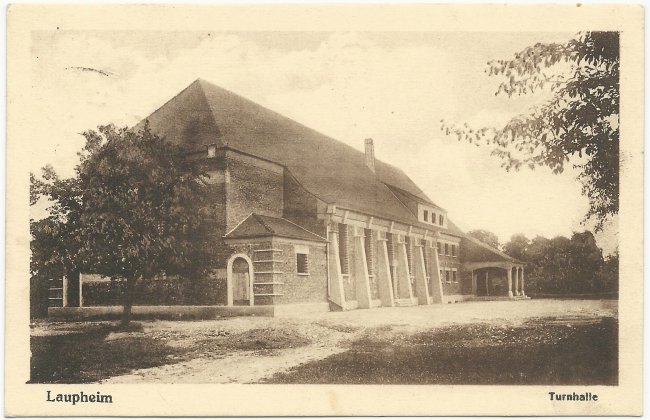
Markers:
<point>394,87</point>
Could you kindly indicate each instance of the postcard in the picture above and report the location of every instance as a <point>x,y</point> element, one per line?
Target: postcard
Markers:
<point>324,210</point>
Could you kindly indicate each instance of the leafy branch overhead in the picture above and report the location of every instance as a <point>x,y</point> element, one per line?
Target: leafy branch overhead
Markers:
<point>578,124</point>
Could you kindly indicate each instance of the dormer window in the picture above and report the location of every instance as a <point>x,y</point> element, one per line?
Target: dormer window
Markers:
<point>429,215</point>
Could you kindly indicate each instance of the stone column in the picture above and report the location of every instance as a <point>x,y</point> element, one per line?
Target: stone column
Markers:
<point>510,281</point>
<point>384,277</point>
<point>360,273</point>
<point>403,280</point>
<point>81,289</point>
<point>473,283</point>
<point>65,292</point>
<point>522,282</point>
<point>437,295</point>
<point>516,281</point>
<point>337,295</point>
<point>420,272</point>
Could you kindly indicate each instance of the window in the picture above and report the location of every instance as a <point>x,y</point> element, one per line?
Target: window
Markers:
<point>453,250</point>
<point>302,263</point>
<point>441,220</point>
<point>212,150</point>
<point>433,218</point>
<point>446,249</point>
<point>343,249</point>
<point>370,251</point>
<point>454,278</point>
<point>426,215</point>
<point>439,248</point>
<point>448,276</point>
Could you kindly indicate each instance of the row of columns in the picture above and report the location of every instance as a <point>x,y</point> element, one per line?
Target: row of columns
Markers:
<point>518,280</point>
<point>388,283</point>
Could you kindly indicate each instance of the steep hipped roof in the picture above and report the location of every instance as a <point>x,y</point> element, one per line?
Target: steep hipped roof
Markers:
<point>256,225</point>
<point>331,170</point>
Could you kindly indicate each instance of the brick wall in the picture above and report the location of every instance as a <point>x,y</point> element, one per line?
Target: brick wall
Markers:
<point>451,262</point>
<point>299,288</point>
<point>216,170</point>
<point>252,186</point>
<point>276,278</point>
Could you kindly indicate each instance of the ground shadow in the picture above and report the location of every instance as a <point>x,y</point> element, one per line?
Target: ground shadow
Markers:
<point>87,356</point>
<point>538,352</point>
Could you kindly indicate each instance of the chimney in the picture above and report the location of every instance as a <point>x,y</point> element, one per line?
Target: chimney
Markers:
<point>370,155</point>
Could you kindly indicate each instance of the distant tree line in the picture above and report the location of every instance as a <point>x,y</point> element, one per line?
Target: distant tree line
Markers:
<point>561,265</point>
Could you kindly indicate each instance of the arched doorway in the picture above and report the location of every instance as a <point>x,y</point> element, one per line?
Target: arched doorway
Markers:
<point>240,281</point>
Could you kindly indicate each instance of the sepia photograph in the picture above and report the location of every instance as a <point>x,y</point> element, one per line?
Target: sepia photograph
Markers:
<point>294,206</point>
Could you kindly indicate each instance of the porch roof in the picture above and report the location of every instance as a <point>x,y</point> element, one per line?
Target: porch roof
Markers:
<point>475,251</point>
<point>257,225</point>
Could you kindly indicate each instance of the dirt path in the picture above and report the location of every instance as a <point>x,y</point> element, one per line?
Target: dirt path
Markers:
<point>331,333</point>
<point>243,367</point>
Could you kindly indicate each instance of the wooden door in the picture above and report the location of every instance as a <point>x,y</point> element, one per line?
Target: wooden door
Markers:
<point>240,282</point>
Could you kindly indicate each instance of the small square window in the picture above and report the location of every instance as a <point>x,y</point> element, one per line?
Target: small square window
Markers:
<point>302,263</point>
<point>212,150</point>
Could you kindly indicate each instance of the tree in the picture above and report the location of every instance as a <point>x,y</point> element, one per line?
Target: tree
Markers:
<point>517,246</point>
<point>136,208</point>
<point>485,236</point>
<point>579,121</point>
<point>607,276</point>
<point>564,265</point>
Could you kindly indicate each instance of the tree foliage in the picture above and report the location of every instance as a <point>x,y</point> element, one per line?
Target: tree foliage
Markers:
<point>136,208</point>
<point>580,121</point>
<point>517,246</point>
<point>485,236</point>
<point>565,265</point>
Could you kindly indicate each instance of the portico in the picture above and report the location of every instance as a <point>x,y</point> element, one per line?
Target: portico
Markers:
<point>487,277</point>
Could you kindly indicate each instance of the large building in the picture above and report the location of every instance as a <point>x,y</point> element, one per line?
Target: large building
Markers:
<point>304,221</point>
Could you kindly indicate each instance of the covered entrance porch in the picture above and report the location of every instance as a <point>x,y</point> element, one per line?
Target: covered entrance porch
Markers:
<point>497,280</point>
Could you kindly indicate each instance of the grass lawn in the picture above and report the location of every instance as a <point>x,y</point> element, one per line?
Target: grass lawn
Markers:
<point>537,342</point>
<point>96,353</point>
<point>542,351</point>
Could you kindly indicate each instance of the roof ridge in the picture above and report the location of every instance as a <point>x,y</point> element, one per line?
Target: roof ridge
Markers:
<point>238,224</point>
<point>258,217</point>
<point>168,101</point>
<point>402,190</point>
<point>400,201</point>
<point>306,230</point>
<point>200,82</point>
